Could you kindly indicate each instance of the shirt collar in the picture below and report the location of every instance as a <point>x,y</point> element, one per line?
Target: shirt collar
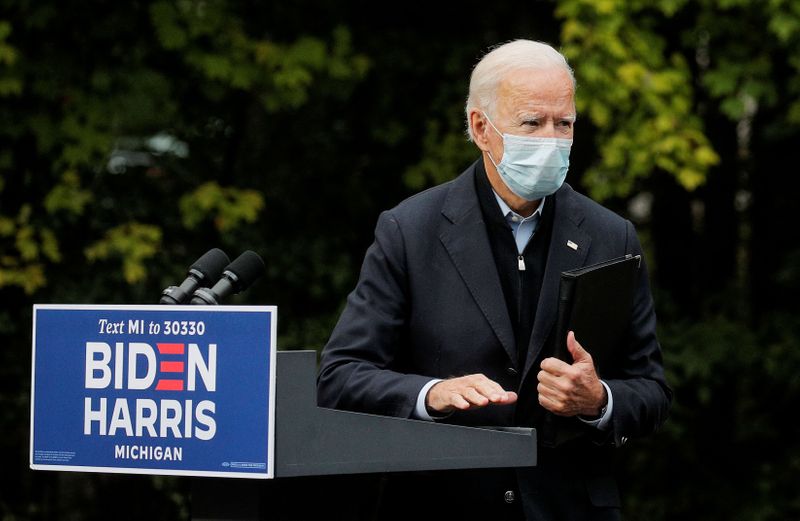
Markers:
<point>510,214</point>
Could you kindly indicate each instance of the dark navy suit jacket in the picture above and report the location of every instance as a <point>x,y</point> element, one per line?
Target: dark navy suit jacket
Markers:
<point>429,304</point>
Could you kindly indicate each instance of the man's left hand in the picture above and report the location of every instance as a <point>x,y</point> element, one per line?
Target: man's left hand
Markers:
<point>569,390</point>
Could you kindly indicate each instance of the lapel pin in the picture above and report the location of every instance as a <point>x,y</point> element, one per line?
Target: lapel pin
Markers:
<point>572,245</point>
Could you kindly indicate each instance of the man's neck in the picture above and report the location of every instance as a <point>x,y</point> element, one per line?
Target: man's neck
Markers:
<point>505,209</point>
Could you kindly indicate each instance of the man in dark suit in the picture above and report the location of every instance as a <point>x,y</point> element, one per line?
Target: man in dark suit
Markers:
<point>453,315</point>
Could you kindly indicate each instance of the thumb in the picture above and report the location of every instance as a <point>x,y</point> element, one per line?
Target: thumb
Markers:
<point>577,351</point>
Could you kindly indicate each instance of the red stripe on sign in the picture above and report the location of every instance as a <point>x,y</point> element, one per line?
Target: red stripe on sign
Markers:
<point>170,349</point>
<point>169,385</point>
<point>171,367</point>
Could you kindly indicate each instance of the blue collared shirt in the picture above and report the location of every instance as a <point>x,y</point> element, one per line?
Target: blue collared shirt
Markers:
<point>523,228</point>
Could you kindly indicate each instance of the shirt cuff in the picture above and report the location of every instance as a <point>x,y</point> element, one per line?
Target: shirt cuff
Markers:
<point>603,422</point>
<point>421,411</point>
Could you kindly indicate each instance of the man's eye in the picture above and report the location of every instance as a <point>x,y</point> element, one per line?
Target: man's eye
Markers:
<point>531,122</point>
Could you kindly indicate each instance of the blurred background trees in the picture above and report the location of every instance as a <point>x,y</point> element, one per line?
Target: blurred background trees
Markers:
<point>135,136</point>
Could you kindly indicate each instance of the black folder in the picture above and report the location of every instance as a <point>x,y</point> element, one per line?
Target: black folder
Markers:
<point>595,302</point>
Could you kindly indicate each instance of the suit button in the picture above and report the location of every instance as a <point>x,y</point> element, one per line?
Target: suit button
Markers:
<point>509,496</point>
<point>511,371</point>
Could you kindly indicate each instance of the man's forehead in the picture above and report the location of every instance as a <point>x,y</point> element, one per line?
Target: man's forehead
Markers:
<point>530,92</point>
<point>553,82</point>
<point>527,74</point>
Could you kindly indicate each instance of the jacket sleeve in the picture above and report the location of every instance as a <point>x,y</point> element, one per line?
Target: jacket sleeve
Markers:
<point>641,394</point>
<point>358,368</point>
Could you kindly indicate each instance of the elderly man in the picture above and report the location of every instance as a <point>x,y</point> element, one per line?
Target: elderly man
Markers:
<point>453,316</point>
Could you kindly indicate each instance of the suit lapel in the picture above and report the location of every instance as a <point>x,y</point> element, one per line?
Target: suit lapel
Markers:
<point>569,246</point>
<point>466,241</point>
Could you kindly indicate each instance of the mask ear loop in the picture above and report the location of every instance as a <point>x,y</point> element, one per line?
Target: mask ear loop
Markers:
<point>485,115</point>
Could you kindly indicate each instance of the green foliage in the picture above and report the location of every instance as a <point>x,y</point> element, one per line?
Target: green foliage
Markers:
<point>133,243</point>
<point>67,195</point>
<point>114,140</point>
<point>728,424</point>
<point>229,207</point>
<point>445,154</point>
<point>26,248</point>
<point>755,39</point>
<point>214,42</point>
<point>10,84</point>
<point>87,111</point>
<point>639,89</point>
<point>636,93</point>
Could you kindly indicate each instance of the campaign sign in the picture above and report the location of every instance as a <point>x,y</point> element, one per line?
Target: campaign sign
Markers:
<point>177,390</point>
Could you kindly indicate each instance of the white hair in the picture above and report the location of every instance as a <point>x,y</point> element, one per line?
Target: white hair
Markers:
<point>499,62</point>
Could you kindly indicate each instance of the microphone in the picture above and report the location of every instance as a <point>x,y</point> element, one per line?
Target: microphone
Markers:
<point>204,271</point>
<point>237,277</point>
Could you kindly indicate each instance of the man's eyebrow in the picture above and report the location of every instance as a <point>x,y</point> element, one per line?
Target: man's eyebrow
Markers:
<point>525,116</point>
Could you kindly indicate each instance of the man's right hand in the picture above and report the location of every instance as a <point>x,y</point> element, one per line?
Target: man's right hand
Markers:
<point>466,392</point>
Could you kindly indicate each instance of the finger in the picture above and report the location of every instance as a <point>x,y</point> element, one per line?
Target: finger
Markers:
<point>503,398</point>
<point>548,378</point>
<point>575,348</point>
<point>554,384</point>
<point>474,397</point>
<point>552,394</point>
<point>548,403</point>
<point>510,398</point>
<point>555,406</point>
<point>459,402</point>
<point>565,383</point>
<point>554,366</point>
<point>491,390</point>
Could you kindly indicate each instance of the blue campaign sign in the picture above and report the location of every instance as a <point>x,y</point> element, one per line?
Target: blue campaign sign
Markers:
<point>177,390</point>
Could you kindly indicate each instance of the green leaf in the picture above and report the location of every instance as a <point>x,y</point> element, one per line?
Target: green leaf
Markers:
<point>132,244</point>
<point>227,207</point>
<point>67,195</point>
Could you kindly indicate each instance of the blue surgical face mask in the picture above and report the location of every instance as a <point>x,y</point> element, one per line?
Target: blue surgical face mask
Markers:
<point>532,167</point>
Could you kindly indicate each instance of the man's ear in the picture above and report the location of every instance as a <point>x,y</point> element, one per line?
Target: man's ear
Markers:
<point>478,125</point>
